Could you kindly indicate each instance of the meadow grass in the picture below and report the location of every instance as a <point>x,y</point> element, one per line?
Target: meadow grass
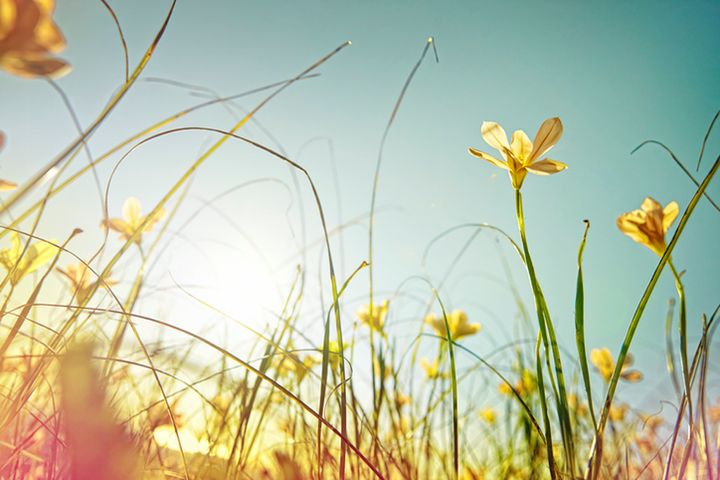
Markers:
<point>85,394</point>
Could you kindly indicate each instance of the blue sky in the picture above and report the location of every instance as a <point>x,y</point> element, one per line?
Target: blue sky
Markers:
<point>617,73</point>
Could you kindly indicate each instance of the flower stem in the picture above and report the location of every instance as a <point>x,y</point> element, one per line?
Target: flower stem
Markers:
<point>549,340</point>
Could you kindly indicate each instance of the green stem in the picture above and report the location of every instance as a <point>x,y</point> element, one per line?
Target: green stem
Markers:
<point>545,331</point>
<point>682,326</point>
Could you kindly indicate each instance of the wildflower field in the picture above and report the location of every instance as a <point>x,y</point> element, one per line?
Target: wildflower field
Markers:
<point>231,249</point>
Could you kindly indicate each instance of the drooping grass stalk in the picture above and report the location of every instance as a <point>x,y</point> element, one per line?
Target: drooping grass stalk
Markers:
<point>122,38</point>
<point>580,327</point>
<point>373,198</point>
<point>30,184</point>
<point>244,364</point>
<point>326,366</point>
<point>516,394</point>
<point>137,285</point>
<point>133,238</point>
<point>549,339</point>
<point>146,131</point>
<point>595,458</point>
<point>705,139</point>
<point>680,164</point>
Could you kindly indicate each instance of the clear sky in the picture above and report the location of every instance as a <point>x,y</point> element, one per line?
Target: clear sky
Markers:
<point>617,73</point>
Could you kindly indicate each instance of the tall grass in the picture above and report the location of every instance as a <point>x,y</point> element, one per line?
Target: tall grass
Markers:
<point>86,393</point>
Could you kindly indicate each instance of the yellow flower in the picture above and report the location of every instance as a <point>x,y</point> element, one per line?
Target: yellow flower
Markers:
<point>29,37</point>
<point>382,371</point>
<point>649,224</point>
<point>82,280</point>
<point>603,361</point>
<point>617,413</point>
<point>488,414</point>
<point>303,368</point>
<point>334,357</point>
<point>36,255</point>
<point>432,370</point>
<point>457,321</point>
<point>401,400</point>
<point>521,156</point>
<point>6,185</point>
<point>131,221</point>
<point>525,385</point>
<point>291,363</point>
<point>374,319</point>
<point>505,389</point>
<point>714,412</point>
<point>575,404</point>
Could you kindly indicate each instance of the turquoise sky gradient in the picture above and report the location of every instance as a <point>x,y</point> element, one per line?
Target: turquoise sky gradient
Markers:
<point>617,73</point>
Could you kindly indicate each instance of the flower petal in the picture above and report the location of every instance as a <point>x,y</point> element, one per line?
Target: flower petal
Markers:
<point>632,376</point>
<point>488,158</point>
<point>494,135</point>
<point>634,225</point>
<point>670,213</point>
<point>521,145</point>
<point>546,137</point>
<point>132,212</point>
<point>39,254</point>
<point>546,167</point>
<point>650,205</point>
<point>117,224</point>
<point>8,13</point>
<point>6,185</point>
<point>35,67</point>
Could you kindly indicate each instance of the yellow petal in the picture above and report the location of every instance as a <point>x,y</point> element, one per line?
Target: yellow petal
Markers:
<point>650,205</point>
<point>629,360</point>
<point>28,67</point>
<point>602,359</point>
<point>8,13</point>
<point>118,225</point>
<point>494,135</point>
<point>488,414</point>
<point>49,36</point>
<point>546,167</point>
<point>670,213</point>
<point>16,246</point>
<point>6,185</point>
<point>628,223</point>
<point>521,145</point>
<point>47,7</point>
<point>37,255</point>
<point>488,158</point>
<point>132,212</point>
<point>632,376</point>
<point>546,137</point>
